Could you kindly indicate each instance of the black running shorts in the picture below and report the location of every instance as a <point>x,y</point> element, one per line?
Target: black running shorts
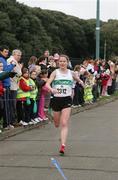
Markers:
<point>59,103</point>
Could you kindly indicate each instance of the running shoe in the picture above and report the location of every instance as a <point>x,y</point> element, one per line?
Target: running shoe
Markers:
<point>62,149</point>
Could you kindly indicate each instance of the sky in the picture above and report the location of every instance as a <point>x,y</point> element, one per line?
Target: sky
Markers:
<point>84,9</point>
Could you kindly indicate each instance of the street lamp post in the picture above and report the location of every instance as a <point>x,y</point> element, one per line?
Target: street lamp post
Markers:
<point>98,30</point>
<point>105,45</point>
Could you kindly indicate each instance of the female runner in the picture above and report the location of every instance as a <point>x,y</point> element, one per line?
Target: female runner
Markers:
<point>60,84</point>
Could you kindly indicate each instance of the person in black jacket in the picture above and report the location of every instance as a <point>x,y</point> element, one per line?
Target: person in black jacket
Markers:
<point>42,63</point>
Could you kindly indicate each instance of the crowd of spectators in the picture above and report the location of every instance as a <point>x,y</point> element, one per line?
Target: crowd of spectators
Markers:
<point>25,99</point>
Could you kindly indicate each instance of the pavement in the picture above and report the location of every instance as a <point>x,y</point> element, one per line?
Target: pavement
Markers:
<point>20,129</point>
<point>91,151</point>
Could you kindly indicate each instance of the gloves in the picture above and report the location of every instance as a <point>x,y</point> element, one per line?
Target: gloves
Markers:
<point>12,74</point>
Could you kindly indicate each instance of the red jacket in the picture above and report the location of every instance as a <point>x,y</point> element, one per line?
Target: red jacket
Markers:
<point>1,89</point>
<point>24,87</point>
<point>104,78</point>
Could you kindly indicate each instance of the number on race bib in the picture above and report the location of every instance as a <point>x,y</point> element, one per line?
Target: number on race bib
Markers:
<point>61,91</point>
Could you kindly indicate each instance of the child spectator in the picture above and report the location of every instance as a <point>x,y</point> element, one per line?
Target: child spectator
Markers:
<point>33,97</point>
<point>105,75</point>
<point>44,91</point>
<point>23,98</point>
<point>89,82</point>
<point>78,90</point>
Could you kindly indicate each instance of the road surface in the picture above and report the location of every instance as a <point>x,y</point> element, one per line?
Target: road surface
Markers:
<point>91,154</point>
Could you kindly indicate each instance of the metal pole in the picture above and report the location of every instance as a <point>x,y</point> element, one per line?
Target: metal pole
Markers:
<point>98,30</point>
<point>105,45</point>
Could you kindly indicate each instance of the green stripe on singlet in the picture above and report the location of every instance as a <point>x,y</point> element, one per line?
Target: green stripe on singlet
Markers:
<point>63,82</point>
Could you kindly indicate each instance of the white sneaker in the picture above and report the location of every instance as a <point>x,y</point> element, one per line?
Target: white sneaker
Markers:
<point>23,123</point>
<point>6,128</point>
<point>40,119</point>
<point>11,126</point>
<point>107,95</point>
<point>36,120</point>
<point>45,119</point>
<point>30,123</point>
<point>74,106</point>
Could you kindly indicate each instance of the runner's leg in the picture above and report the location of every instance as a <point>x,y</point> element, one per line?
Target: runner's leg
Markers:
<point>56,116</point>
<point>64,119</point>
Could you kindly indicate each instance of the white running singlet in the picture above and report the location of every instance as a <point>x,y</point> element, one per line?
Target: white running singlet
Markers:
<point>63,82</point>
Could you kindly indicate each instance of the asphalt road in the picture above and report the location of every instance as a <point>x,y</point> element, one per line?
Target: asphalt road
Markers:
<point>91,153</point>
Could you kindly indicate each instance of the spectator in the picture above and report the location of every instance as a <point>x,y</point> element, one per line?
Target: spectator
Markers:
<point>1,93</point>
<point>33,97</point>
<point>89,82</point>
<point>41,62</point>
<point>46,55</point>
<point>90,66</point>
<point>23,98</point>
<point>84,66</point>
<point>78,90</point>
<point>113,77</point>
<point>105,75</point>
<point>44,91</point>
<point>51,65</point>
<point>56,59</point>
<point>4,51</point>
<point>32,63</point>
<point>16,56</point>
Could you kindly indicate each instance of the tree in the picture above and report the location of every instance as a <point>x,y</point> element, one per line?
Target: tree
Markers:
<point>33,30</point>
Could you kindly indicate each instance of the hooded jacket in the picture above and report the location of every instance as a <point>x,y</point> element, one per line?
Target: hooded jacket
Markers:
<point>6,68</point>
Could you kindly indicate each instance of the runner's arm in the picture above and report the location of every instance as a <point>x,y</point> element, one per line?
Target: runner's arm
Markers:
<point>49,81</point>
